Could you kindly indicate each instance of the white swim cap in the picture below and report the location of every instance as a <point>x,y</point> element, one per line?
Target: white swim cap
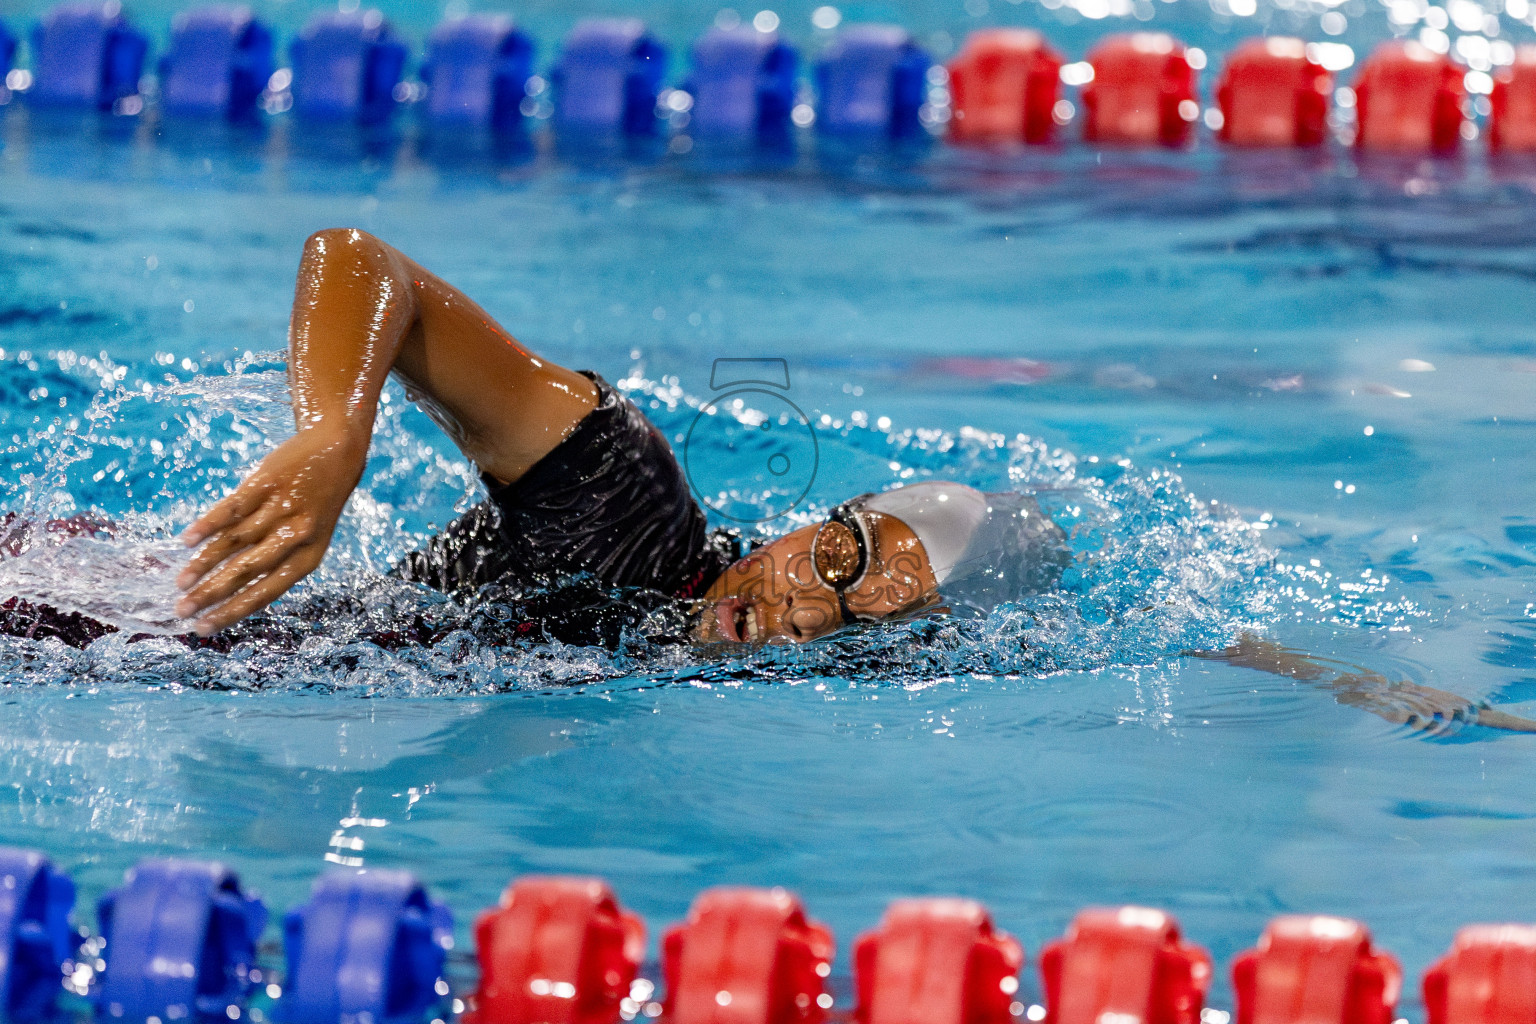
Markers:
<point>985,549</point>
<point>944,515</point>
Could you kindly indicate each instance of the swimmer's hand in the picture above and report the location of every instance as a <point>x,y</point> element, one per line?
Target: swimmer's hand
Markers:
<point>1422,708</point>
<point>273,530</point>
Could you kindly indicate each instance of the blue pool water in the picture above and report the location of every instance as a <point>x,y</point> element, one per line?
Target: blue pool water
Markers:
<point>1285,397</point>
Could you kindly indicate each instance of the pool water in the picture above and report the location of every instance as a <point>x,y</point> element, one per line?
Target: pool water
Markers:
<point>1284,397</point>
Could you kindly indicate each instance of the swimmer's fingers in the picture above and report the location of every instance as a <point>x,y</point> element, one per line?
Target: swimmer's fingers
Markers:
<point>1437,711</point>
<point>236,505</point>
<point>1429,703</point>
<point>1421,708</point>
<point>259,594</point>
<point>252,563</point>
<point>230,540</point>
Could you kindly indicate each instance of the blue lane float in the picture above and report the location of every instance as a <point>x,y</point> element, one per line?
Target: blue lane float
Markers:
<point>181,942</point>
<point>86,55</point>
<point>218,62</point>
<point>35,937</point>
<point>476,70</point>
<point>346,67</point>
<point>368,946</point>
<point>608,77</point>
<point>872,81</point>
<point>743,84</point>
<point>7,49</point>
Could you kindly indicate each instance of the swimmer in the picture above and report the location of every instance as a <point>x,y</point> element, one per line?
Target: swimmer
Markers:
<point>581,484</point>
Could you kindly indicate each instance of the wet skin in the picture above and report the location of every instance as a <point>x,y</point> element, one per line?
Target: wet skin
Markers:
<point>774,595</point>
<point>361,311</point>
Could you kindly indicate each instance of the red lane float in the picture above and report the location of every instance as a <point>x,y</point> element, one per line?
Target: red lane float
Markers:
<point>1488,977</point>
<point>936,961</point>
<point>556,951</point>
<point>1410,99</point>
<point>1272,94</point>
<point>1315,969</point>
<point>1142,92</point>
<point>1128,962</point>
<point>746,956</point>
<point>1512,123</point>
<point>1003,85</point>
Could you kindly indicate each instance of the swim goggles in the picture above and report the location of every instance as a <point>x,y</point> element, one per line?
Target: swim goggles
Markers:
<point>840,557</point>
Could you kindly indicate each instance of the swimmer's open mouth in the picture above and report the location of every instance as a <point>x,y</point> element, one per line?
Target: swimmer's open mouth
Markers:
<point>737,620</point>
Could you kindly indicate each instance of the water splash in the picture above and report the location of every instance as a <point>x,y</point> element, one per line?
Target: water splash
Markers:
<point>129,583</point>
<point>1155,570</point>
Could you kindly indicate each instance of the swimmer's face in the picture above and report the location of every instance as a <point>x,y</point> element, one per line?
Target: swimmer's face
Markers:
<point>777,595</point>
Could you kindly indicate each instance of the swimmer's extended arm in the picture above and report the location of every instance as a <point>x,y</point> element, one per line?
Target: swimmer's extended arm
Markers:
<point>1402,703</point>
<point>362,310</point>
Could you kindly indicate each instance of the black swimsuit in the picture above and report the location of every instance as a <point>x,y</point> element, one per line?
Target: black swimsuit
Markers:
<point>608,506</point>
<point>609,501</point>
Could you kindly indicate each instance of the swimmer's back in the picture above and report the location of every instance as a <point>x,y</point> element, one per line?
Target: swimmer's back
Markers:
<point>610,501</point>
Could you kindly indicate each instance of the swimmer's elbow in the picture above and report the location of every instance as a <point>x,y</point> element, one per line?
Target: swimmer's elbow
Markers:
<point>331,243</point>
<point>356,253</point>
